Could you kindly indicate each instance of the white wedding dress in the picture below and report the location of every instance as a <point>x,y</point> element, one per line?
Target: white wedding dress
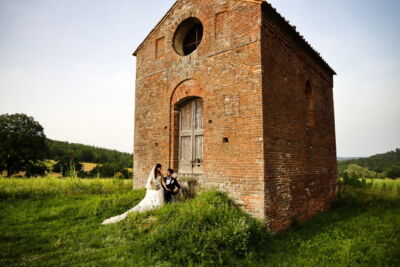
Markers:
<point>154,198</point>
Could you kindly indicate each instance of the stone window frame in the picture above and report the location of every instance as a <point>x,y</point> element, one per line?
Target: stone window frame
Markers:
<point>181,33</point>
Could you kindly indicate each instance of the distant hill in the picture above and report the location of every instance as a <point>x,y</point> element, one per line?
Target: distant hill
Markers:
<point>378,163</point>
<point>347,158</point>
<point>59,150</point>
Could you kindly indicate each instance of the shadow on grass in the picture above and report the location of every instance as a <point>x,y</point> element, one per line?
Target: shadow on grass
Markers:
<point>359,229</point>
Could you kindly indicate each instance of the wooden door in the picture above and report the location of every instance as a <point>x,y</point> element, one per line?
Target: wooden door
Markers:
<point>191,137</point>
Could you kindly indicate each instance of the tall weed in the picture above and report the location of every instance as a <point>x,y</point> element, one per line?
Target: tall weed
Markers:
<point>40,187</point>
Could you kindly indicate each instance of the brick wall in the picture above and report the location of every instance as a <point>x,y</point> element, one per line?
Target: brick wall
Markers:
<point>225,71</point>
<point>300,148</point>
<point>269,135</point>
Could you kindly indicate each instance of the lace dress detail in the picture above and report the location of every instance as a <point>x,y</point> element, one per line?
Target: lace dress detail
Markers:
<point>154,198</point>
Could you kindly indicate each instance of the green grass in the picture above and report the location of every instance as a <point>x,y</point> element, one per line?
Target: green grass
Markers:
<point>18,188</point>
<point>56,222</point>
<point>385,182</point>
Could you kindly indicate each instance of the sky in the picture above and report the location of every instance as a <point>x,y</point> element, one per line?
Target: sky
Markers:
<point>69,64</point>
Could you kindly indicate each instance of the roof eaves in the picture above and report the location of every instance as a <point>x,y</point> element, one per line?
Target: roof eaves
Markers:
<point>299,36</point>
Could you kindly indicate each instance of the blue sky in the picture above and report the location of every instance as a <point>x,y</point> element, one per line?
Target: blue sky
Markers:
<point>68,64</point>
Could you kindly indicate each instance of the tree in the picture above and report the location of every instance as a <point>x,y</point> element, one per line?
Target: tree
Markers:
<point>360,172</point>
<point>69,168</point>
<point>22,143</point>
<point>87,156</point>
<point>36,169</point>
<point>393,171</point>
<point>377,163</point>
<point>61,151</point>
<point>112,169</point>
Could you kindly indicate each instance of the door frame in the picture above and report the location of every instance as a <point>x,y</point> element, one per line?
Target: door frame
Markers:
<point>183,90</point>
<point>196,168</point>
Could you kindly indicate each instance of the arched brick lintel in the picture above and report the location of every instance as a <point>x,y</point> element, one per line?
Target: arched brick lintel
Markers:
<point>186,89</point>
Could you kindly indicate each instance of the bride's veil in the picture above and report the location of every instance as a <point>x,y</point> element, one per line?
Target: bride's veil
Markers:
<point>150,178</point>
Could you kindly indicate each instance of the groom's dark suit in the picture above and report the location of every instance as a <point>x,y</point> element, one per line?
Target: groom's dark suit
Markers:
<point>171,183</point>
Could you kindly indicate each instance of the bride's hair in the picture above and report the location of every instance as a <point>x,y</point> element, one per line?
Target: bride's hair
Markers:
<point>156,170</point>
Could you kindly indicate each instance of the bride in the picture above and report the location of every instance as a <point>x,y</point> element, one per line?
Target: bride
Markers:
<point>153,199</point>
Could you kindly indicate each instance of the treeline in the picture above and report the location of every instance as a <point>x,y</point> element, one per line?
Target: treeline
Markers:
<point>379,165</point>
<point>73,168</point>
<point>66,152</point>
<point>24,148</point>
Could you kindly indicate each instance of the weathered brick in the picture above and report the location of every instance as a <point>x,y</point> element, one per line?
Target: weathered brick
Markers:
<point>269,132</point>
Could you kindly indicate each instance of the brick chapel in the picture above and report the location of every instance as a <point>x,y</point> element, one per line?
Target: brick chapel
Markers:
<point>230,94</point>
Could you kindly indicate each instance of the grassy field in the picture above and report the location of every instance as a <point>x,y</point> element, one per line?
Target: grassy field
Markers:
<point>86,166</point>
<point>384,182</point>
<point>56,222</point>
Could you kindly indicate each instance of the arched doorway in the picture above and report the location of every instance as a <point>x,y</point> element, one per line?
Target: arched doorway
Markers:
<point>191,137</point>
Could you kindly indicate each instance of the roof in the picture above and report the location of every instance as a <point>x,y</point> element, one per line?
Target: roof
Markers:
<point>290,29</point>
<point>295,35</point>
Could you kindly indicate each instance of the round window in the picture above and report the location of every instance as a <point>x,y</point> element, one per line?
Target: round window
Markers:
<point>188,36</point>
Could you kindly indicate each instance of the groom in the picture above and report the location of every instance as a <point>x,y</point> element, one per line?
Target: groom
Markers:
<point>172,186</point>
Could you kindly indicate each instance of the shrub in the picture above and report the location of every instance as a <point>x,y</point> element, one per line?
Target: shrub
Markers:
<point>36,169</point>
<point>210,228</point>
<point>353,180</point>
<point>110,170</point>
<point>68,168</point>
<point>393,171</point>
<point>382,193</point>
